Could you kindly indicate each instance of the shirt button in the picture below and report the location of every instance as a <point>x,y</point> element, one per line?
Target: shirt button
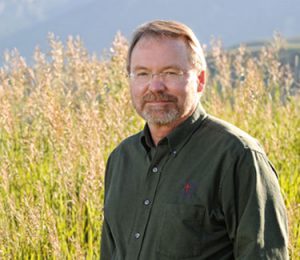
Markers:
<point>155,169</point>
<point>137,235</point>
<point>146,202</point>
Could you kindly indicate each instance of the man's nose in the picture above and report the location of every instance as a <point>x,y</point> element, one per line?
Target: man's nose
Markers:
<point>156,83</point>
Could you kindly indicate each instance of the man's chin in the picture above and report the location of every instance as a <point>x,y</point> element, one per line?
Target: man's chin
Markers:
<point>160,118</point>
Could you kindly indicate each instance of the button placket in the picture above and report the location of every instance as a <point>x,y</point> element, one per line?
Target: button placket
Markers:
<point>148,196</point>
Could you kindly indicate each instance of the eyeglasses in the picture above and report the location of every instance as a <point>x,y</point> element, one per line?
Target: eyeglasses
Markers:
<point>144,77</point>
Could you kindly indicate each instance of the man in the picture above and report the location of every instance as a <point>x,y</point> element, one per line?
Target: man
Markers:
<point>189,186</point>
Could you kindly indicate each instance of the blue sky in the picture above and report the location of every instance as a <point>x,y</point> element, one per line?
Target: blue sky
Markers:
<point>19,14</point>
<point>25,24</point>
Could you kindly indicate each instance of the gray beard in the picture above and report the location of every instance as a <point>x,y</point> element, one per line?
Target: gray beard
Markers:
<point>160,117</point>
<point>165,117</point>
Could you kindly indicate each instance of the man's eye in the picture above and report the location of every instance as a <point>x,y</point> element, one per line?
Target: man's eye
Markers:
<point>142,74</point>
<point>171,73</point>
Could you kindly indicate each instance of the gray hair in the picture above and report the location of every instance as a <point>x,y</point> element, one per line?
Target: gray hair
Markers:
<point>172,29</point>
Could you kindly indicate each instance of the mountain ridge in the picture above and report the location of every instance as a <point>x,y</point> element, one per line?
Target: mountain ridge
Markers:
<point>97,22</point>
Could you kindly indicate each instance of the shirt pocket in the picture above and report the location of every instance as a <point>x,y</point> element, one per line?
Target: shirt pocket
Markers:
<point>182,231</point>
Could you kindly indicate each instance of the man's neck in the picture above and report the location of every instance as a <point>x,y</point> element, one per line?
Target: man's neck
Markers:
<point>159,132</point>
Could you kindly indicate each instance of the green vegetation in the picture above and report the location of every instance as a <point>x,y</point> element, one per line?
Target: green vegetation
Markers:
<point>61,117</point>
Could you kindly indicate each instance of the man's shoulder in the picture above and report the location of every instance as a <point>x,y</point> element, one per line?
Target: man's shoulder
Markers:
<point>227,133</point>
<point>129,144</point>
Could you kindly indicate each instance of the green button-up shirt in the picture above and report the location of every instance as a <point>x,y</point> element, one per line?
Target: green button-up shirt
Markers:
<point>206,191</point>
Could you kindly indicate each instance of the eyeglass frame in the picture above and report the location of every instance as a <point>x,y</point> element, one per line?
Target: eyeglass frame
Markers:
<point>162,75</point>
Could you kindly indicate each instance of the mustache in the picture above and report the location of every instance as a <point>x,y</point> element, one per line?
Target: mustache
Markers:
<point>150,97</point>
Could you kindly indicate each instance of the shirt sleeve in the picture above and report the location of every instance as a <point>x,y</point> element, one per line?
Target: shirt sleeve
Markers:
<point>254,210</point>
<point>107,242</point>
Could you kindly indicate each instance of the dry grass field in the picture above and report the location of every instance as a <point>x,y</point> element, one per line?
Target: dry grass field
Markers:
<point>61,116</point>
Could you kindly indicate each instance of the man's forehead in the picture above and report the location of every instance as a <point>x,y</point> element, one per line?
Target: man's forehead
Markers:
<point>157,57</point>
<point>159,53</point>
<point>159,39</point>
<point>163,46</point>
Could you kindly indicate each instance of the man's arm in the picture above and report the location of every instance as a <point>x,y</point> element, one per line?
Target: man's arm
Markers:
<point>107,243</point>
<point>254,210</point>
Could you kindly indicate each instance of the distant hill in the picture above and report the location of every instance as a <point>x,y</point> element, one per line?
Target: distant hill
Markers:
<point>289,54</point>
<point>233,21</point>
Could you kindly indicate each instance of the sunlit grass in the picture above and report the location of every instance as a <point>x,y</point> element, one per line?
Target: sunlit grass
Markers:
<point>62,116</point>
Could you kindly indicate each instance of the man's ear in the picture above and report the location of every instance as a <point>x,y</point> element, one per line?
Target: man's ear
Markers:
<point>201,81</point>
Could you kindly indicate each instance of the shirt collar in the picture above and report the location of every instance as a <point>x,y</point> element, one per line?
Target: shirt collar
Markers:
<point>178,137</point>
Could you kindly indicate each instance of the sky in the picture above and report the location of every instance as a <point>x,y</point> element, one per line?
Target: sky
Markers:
<point>19,14</point>
<point>24,24</point>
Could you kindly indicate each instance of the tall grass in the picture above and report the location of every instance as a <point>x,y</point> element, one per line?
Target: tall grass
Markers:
<point>61,116</point>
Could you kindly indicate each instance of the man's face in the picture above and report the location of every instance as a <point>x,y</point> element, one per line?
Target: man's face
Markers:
<point>163,100</point>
